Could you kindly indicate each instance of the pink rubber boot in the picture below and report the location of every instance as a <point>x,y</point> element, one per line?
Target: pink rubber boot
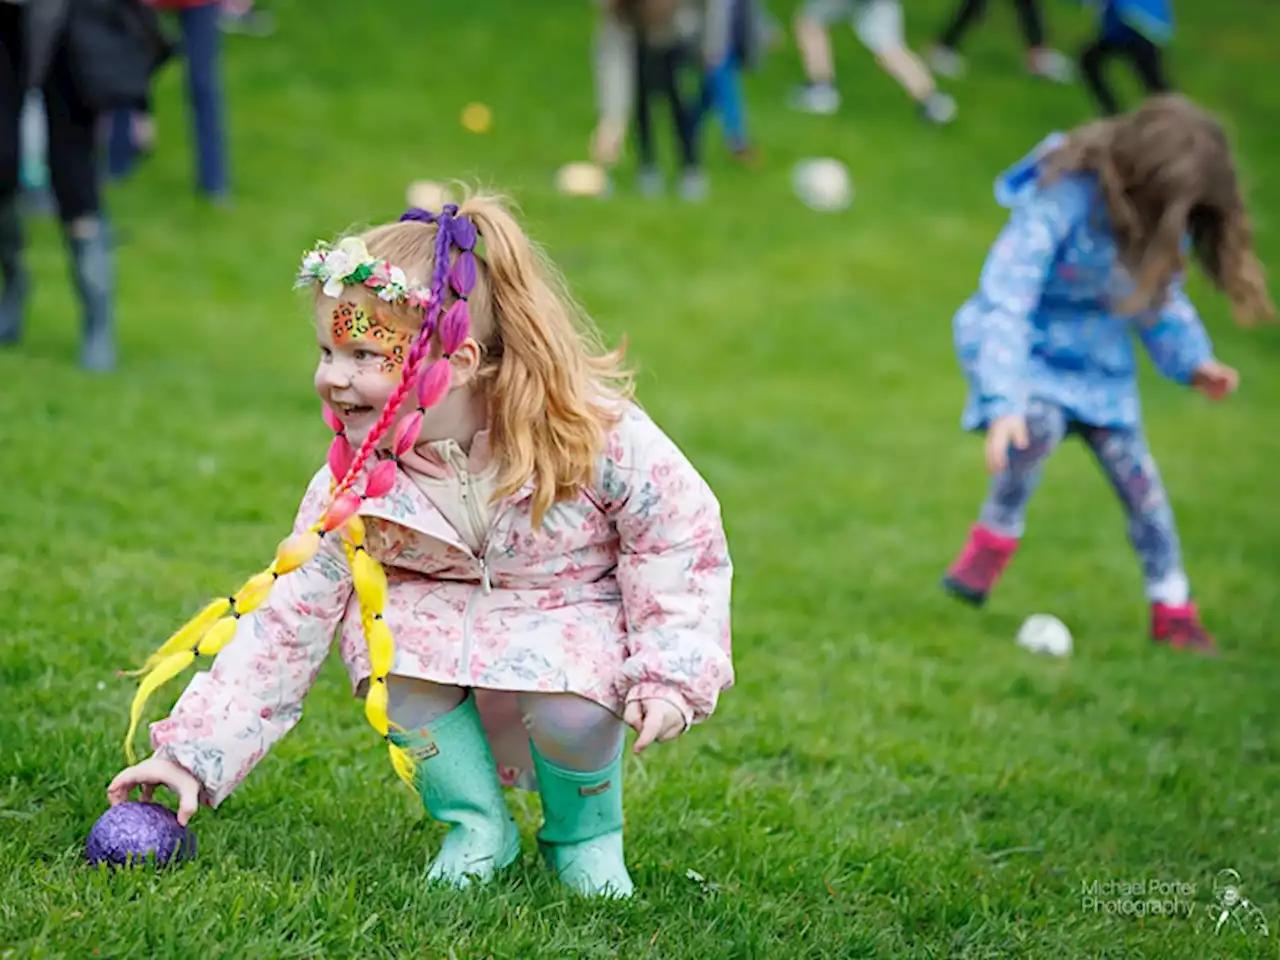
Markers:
<point>1180,627</point>
<point>979,565</point>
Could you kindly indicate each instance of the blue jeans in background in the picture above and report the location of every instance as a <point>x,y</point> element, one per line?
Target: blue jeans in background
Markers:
<point>201,38</point>
<point>722,89</point>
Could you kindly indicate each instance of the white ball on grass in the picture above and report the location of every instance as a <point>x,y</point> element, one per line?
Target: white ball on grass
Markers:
<point>1043,633</point>
<point>822,183</point>
<point>582,179</point>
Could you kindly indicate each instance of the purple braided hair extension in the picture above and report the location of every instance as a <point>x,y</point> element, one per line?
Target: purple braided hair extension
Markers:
<point>440,269</point>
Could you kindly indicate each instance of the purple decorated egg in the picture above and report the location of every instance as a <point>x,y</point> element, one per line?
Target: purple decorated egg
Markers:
<point>135,832</point>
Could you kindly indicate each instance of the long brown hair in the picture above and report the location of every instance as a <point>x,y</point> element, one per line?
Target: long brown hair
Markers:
<point>1166,170</point>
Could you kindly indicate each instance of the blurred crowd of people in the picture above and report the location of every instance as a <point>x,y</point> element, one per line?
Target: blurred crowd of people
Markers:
<point>649,52</point>
<point>76,79</point>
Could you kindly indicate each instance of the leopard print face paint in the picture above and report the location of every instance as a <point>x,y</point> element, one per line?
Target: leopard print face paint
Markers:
<point>355,327</point>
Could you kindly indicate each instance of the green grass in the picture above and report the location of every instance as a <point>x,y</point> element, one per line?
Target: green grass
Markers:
<point>891,775</point>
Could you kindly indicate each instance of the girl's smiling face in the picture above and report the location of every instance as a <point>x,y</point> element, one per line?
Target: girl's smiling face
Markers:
<point>362,356</point>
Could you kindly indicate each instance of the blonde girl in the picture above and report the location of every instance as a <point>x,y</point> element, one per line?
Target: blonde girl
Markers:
<point>516,560</point>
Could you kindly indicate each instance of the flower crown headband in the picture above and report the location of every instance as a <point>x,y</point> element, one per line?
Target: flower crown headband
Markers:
<point>349,264</point>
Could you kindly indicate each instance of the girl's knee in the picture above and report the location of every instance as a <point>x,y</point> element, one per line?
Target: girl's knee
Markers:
<point>564,712</point>
<point>571,730</point>
<point>414,703</point>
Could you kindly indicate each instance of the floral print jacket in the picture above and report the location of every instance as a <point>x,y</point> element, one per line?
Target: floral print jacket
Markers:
<point>623,593</point>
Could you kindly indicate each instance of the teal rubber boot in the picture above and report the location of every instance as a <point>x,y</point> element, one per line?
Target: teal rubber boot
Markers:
<point>93,269</point>
<point>581,835</point>
<point>459,786</point>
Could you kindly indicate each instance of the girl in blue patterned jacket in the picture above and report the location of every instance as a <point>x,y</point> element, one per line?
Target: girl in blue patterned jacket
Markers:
<point>1100,226</point>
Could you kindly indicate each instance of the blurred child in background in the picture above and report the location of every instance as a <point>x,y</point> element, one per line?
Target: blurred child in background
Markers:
<point>199,22</point>
<point>746,27</point>
<point>1101,221</point>
<point>667,37</point>
<point>614,71</point>
<point>1042,61</point>
<point>878,24</point>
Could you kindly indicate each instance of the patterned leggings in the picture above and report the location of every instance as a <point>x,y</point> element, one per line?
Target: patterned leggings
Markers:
<point>1124,457</point>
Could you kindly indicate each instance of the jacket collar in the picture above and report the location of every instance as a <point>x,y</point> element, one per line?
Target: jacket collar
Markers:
<point>406,505</point>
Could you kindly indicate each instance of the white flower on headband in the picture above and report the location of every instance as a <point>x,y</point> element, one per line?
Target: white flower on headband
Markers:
<point>396,283</point>
<point>349,265</point>
<point>345,261</point>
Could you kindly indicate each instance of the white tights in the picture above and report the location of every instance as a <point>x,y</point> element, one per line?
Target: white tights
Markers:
<point>570,731</point>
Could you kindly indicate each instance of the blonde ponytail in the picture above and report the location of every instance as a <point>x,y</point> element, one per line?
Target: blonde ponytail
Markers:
<point>554,391</point>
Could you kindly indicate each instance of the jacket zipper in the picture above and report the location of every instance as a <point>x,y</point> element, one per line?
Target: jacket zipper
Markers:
<point>486,587</point>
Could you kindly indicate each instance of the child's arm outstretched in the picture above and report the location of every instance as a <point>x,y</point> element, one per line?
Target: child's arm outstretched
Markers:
<point>675,574</point>
<point>992,341</point>
<point>1179,346</point>
<point>230,716</point>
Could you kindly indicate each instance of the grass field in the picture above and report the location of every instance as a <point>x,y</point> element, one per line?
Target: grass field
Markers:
<point>891,775</point>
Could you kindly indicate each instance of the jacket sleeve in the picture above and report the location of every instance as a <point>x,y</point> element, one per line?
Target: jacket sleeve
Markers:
<point>1176,340</point>
<point>230,716</point>
<point>674,571</point>
<point>992,341</point>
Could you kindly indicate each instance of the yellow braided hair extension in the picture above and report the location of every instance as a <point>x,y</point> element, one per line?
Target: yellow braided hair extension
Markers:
<point>213,628</point>
<point>185,637</point>
<point>210,630</point>
<point>371,590</point>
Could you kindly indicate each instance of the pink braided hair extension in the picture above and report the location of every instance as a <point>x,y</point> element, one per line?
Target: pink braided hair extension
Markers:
<point>417,351</point>
<point>383,423</point>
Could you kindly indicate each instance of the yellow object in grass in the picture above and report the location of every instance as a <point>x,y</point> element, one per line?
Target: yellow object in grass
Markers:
<point>477,118</point>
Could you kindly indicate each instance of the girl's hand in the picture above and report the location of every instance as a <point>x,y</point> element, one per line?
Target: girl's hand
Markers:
<point>1005,432</point>
<point>1215,380</point>
<point>653,720</point>
<point>157,772</point>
